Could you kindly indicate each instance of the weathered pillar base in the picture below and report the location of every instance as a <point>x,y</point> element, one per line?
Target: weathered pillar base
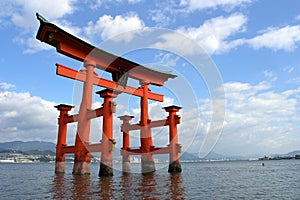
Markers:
<point>81,168</point>
<point>60,167</point>
<point>105,170</point>
<point>175,167</point>
<point>126,167</point>
<point>148,165</point>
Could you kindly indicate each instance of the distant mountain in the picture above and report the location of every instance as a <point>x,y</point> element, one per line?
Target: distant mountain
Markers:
<point>210,156</point>
<point>27,146</point>
<point>38,147</point>
<point>290,154</point>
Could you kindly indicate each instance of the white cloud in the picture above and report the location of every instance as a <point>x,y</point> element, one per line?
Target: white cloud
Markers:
<point>22,12</point>
<point>134,1</point>
<point>108,26</point>
<point>204,4</point>
<point>160,17</point>
<point>295,80</point>
<point>298,17</point>
<point>166,59</point>
<point>5,86</point>
<point>32,44</point>
<point>96,4</point>
<point>270,75</point>
<point>286,38</point>
<point>259,120</point>
<point>25,117</point>
<point>288,69</point>
<point>213,33</point>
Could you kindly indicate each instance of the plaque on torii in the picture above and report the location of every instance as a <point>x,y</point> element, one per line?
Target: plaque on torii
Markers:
<point>121,69</point>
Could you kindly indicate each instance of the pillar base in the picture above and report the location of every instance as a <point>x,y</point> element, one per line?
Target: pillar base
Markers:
<point>175,167</point>
<point>148,165</point>
<point>105,170</point>
<point>60,167</point>
<point>126,167</point>
<point>81,168</point>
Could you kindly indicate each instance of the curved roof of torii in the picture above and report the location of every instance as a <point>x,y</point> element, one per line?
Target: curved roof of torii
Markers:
<point>71,46</point>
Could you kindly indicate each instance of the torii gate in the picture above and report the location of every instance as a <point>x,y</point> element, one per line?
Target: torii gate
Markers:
<point>121,69</point>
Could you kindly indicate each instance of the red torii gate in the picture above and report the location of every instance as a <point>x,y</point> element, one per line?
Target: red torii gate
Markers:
<point>121,69</point>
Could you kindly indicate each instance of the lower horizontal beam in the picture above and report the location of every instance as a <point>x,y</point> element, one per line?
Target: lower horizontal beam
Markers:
<point>154,150</point>
<point>94,147</point>
<point>68,149</point>
<point>90,115</point>
<point>90,148</point>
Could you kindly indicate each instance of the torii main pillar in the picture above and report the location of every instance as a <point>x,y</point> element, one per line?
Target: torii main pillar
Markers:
<point>82,155</point>
<point>147,160</point>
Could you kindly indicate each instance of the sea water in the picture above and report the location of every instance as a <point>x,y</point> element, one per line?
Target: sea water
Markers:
<point>204,180</point>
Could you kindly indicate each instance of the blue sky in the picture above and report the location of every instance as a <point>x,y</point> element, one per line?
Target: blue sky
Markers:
<point>254,45</point>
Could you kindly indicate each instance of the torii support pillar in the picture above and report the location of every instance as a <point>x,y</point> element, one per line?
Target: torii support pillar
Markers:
<point>107,135</point>
<point>174,163</point>
<point>60,160</point>
<point>148,164</point>
<point>82,155</point>
<point>126,143</point>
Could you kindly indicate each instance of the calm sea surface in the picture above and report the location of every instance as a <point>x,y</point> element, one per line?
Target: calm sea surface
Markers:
<point>209,180</point>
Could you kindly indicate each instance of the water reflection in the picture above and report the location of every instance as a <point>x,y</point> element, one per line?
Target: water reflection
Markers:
<point>106,188</point>
<point>121,186</point>
<point>176,190</point>
<point>81,187</point>
<point>74,187</point>
<point>59,186</point>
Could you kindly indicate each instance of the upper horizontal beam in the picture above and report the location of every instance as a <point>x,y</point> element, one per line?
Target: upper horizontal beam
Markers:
<point>81,76</point>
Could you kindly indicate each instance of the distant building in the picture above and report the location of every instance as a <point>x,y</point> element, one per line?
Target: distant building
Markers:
<point>297,156</point>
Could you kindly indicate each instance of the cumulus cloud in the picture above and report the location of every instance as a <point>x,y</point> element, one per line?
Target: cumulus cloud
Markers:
<point>193,5</point>
<point>213,34</point>
<point>32,44</point>
<point>107,26</point>
<point>286,38</point>
<point>25,117</point>
<point>96,4</point>
<point>22,12</point>
<point>5,86</point>
<point>259,120</point>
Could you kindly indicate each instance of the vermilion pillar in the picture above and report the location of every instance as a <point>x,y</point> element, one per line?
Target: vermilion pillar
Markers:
<point>174,163</point>
<point>148,164</point>
<point>107,135</point>
<point>82,155</point>
<point>61,138</point>
<point>126,143</point>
